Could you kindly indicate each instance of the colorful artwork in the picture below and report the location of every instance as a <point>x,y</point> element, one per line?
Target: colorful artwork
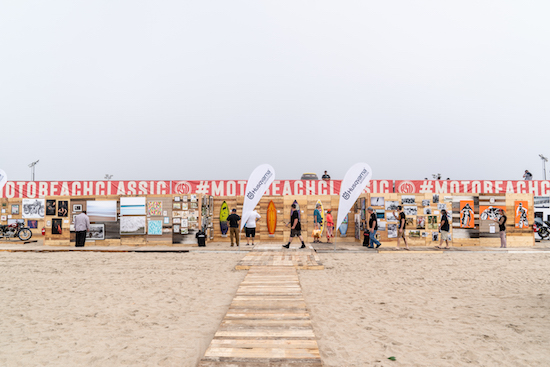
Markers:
<point>33,208</point>
<point>132,206</point>
<point>184,206</point>
<point>432,222</point>
<point>102,211</point>
<point>32,223</point>
<point>62,208</point>
<point>176,206</point>
<point>15,209</point>
<point>420,222</point>
<point>184,230</point>
<point>490,212</point>
<point>467,214</point>
<point>56,226</point>
<point>154,208</point>
<point>414,234</point>
<point>132,226</point>
<point>521,214</point>
<point>154,227</point>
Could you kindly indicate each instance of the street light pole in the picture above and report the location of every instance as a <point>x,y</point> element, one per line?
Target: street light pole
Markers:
<point>32,169</point>
<point>544,160</point>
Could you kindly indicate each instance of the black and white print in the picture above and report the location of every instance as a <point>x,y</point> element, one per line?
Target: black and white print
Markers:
<point>435,236</point>
<point>33,208</point>
<point>435,198</point>
<point>408,199</point>
<point>392,205</point>
<point>77,207</point>
<point>392,230</point>
<point>390,217</point>
<point>377,201</point>
<point>427,210</point>
<point>426,202</point>
<point>96,232</point>
<point>442,206</point>
<point>410,210</point>
<point>132,225</point>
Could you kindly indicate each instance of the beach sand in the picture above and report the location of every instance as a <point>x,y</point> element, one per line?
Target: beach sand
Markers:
<point>453,309</point>
<point>155,309</point>
<point>101,309</point>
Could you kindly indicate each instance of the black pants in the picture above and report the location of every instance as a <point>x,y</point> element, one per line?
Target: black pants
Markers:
<point>80,238</point>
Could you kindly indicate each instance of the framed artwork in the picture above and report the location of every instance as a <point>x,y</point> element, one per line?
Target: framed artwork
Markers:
<point>132,226</point>
<point>165,213</point>
<point>62,208</point>
<point>166,220</point>
<point>50,207</point>
<point>31,223</point>
<point>420,222</point>
<point>3,217</point>
<point>435,236</point>
<point>392,230</point>
<point>132,206</point>
<point>521,214</point>
<point>184,230</point>
<point>176,206</point>
<point>176,214</point>
<point>427,210</point>
<point>377,201</point>
<point>432,222</point>
<point>408,199</point>
<point>96,232</point>
<point>34,208</point>
<point>380,213</point>
<point>177,198</point>
<point>426,202</point>
<point>176,228</point>
<point>448,199</point>
<point>102,211</point>
<point>414,234</point>
<point>56,226</point>
<point>154,227</point>
<point>184,206</point>
<point>15,209</point>
<point>77,208</point>
<point>435,198</point>
<point>193,197</point>
<point>467,214</point>
<point>410,210</point>
<point>392,205</point>
<point>409,221</point>
<point>177,220</point>
<point>184,198</point>
<point>390,217</point>
<point>154,208</point>
<point>193,205</point>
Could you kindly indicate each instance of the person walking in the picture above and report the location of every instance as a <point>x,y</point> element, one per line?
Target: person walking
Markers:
<point>502,227</point>
<point>402,218</point>
<point>444,230</point>
<point>81,226</point>
<point>295,228</point>
<point>330,225</point>
<point>234,221</point>
<point>250,229</point>
<point>373,228</point>
<point>527,176</point>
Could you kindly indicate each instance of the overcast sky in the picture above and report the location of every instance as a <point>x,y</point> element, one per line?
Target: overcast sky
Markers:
<point>210,89</point>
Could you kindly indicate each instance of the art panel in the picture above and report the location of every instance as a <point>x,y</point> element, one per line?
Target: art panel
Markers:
<point>380,213</point>
<point>426,202</point>
<point>420,222</point>
<point>33,208</point>
<point>435,198</point>
<point>62,208</point>
<point>96,232</point>
<point>392,205</point>
<point>432,222</point>
<point>467,214</point>
<point>377,201</point>
<point>408,199</point>
<point>521,214</point>
<point>50,207</point>
<point>132,206</point>
<point>392,230</point>
<point>32,223</point>
<point>490,212</point>
<point>56,226</point>
<point>390,217</point>
<point>132,226</point>
<point>77,207</point>
<point>414,234</point>
<point>15,209</point>
<point>102,210</point>
<point>154,227</point>
<point>154,208</point>
<point>427,210</point>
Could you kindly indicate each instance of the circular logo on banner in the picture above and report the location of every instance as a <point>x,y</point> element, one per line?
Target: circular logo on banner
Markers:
<point>405,187</point>
<point>182,187</point>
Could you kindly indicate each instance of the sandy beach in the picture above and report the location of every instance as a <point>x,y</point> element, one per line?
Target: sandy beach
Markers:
<point>155,309</point>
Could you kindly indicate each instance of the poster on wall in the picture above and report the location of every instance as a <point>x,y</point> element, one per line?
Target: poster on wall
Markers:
<point>521,214</point>
<point>467,214</point>
<point>154,208</point>
<point>490,212</point>
<point>132,206</point>
<point>542,201</point>
<point>102,211</point>
<point>377,201</point>
<point>62,208</point>
<point>50,207</point>
<point>96,232</point>
<point>154,227</point>
<point>56,226</point>
<point>392,230</point>
<point>33,208</point>
<point>132,226</point>
<point>15,209</point>
<point>392,205</point>
<point>410,210</point>
<point>32,223</point>
<point>420,222</point>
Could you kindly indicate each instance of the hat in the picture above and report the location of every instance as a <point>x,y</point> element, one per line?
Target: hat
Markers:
<point>234,210</point>
<point>370,208</point>
<point>329,211</point>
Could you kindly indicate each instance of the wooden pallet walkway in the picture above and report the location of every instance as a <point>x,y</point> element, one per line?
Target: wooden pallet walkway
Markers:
<point>275,255</point>
<point>267,324</point>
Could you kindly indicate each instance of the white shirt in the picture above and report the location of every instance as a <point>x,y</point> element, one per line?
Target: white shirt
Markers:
<point>251,221</point>
<point>82,222</point>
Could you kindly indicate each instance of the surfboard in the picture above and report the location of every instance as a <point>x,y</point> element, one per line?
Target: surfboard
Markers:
<point>271,218</point>
<point>224,213</point>
<point>344,227</point>
<point>322,224</point>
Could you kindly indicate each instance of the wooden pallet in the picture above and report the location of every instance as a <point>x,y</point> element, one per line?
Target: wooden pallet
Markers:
<point>275,255</point>
<point>267,324</point>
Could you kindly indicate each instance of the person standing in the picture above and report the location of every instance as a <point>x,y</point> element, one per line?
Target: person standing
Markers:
<point>502,227</point>
<point>527,176</point>
<point>81,226</point>
<point>330,225</point>
<point>234,221</point>
<point>401,227</point>
<point>317,221</point>
<point>373,228</point>
<point>325,177</point>
<point>250,229</point>
<point>444,230</point>
<point>295,228</point>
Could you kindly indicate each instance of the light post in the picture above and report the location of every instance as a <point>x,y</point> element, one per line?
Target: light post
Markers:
<point>31,165</point>
<point>544,160</point>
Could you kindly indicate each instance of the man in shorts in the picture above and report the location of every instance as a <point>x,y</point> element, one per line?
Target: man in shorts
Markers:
<point>444,229</point>
<point>250,229</point>
<point>295,228</point>
<point>401,227</point>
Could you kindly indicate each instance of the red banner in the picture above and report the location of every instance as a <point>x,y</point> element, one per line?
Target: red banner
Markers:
<point>538,188</point>
<point>35,189</point>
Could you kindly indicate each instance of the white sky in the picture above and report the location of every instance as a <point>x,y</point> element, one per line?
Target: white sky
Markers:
<point>210,89</point>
